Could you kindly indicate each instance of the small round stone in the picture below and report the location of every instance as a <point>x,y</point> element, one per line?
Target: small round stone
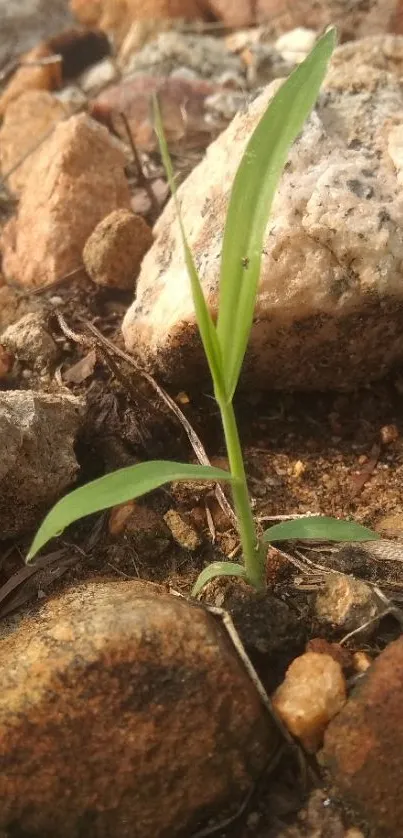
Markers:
<point>115,249</point>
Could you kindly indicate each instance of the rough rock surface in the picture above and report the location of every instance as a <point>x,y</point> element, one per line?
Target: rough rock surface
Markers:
<point>145,720</point>
<point>38,463</point>
<point>330,308</point>
<point>347,604</point>
<point>25,22</point>
<point>364,745</point>
<point>74,183</point>
<point>13,305</point>
<point>28,120</point>
<point>353,19</point>
<point>113,253</point>
<point>203,57</point>
<point>183,104</point>
<point>30,342</point>
<point>116,16</point>
<point>36,75</point>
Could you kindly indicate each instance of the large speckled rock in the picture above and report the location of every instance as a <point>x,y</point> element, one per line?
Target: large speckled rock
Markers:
<point>364,745</point>
<point>37,464</point>
<point>77,179</point>
<point>124,713</point>
<point>330,307</point>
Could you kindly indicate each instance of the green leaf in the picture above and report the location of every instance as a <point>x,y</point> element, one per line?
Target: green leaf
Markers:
<point>205,323</point>
<point>217,569</point>
<point>113,489</point>
<point>319,528</point>
<point>252,193</point>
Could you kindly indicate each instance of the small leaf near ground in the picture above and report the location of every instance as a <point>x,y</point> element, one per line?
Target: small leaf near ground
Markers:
<point>217,569</point>
<point>114,489</point>
<point>319,528</point>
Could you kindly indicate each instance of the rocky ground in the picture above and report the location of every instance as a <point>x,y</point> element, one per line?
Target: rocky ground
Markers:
<point>127,709</point>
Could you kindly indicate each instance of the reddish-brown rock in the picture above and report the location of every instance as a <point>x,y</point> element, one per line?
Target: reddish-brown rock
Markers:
<point>114,251</point>
<point>37,76</point>
<point>124,712</point>
<point>6,362</point>
<point>74,183</point>
<point>364,745</point>
<point>182,104</point>
<point>27,121</point>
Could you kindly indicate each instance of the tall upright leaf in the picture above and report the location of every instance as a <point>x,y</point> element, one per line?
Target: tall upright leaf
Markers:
<point>251,198</point>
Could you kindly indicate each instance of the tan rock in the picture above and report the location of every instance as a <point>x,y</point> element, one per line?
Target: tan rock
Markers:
<point>75,182</point>
<point>389,526</point>
<point>364,745</point>
<point>38,76</point>
<point>29,341</point>
<point>114,251</point>
<point>239,13</point>
<point>145,718</point>
<point>13,305</point>
<point>37,435</point>
<point>116,16</point>
<point>348,604</point>
<point>353,20</point>
<point>313,691</point>
<point>366,64</point>
<point>330,306</point>
<point>28,120</point>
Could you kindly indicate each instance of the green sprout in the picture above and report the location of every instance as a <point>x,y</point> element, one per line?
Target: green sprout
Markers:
<point>226,341</point>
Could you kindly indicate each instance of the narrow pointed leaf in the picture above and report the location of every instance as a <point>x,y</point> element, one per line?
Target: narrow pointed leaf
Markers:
<point>319,528</point>
<point>252,193</point>
<point>205,323</point>
<point>217,569</point>
<point>115,488</point>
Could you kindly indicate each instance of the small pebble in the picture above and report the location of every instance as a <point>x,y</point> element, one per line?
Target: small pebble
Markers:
<point>347,604</point>
<point>182,531</point>
<point>361,661</point>
<point>313,691</point>
<point>388,434</point>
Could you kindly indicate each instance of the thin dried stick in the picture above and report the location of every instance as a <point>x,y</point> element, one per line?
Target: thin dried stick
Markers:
<point>142,179</point>
<point>194,440</point>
